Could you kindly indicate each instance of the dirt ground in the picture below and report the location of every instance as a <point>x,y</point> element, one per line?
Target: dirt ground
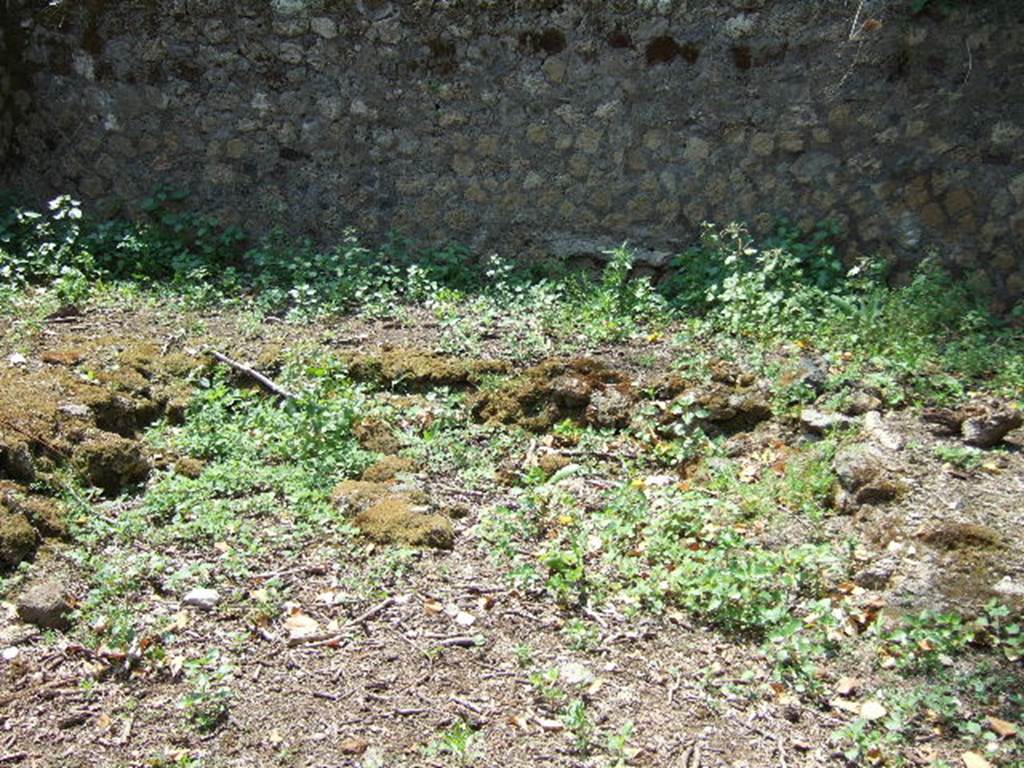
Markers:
<point>402,655</point>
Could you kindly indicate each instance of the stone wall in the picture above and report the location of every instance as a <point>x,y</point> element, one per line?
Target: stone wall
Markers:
<point>538,127</point>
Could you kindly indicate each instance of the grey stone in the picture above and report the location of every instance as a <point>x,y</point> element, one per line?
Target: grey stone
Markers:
<point>878,574</point>
<point>988,430</point>
<point>821,422</point>
<point>878,431</point>
<point>44,605</point>
<point>860,403</point>
<point>857,466</point>
<point>202,598</point>
<point>864,477</point>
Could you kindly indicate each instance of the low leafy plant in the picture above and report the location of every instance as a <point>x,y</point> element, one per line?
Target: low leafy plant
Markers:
<point>208,701</point>
<point>458,742</point>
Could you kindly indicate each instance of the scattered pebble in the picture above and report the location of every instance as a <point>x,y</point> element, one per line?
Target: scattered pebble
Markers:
<point>202,598</point>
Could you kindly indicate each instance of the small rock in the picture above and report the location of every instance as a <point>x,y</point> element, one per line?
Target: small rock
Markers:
<point>17,462</point>
<point>876,428</point>
<point>18,539</point>
<point>983,424</point>
<point>77,410</point>
<point>863,477</point>
<point>202,598</point>
<point>610,408</point>
<point>353,745</point>
<point>988,430</point>
<point>574,673</point>
<point>820,422</point>
<point>1008,587</point>
<point>550,463</point>
<point>860,403</point>
<point>857,466</point>
<point>111,462</point>
<point>806,372</point>
<point>878,574</point>
<point>43,605</point>
<point>189,467</point>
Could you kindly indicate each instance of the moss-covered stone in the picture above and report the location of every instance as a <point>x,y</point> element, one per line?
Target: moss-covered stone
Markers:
<point>417,370</point>
<point>388,468</point>
<point>960,536</point>
<point>377,435</point>
<point>48,516</point>
<point>553,391</point>
<point>395,519</point>
<point>18,539</point>
<point>358,494</point>
<point>189,467</point>
<point>111,462</point>
<point>550,463</point>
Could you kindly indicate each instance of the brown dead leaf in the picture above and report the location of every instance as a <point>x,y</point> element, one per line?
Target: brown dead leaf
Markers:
<point>845,705</point>
<point>430,605</point>
<point>300,626</point>
<point>974,760</point>
<point>1002,728</point>
<point>103,721</point>
<point>521,722</point>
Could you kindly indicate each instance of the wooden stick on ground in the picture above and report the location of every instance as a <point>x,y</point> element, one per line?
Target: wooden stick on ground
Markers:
<point>255,375</point>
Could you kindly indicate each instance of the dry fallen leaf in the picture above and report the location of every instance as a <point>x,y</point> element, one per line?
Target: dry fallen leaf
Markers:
<point>1002,728</point>
<point>872,710</point>
<point>974,760</point>
<point>519,721</point>
<point>300,626</point>
<point>430,605</point>
<point>845,705</point>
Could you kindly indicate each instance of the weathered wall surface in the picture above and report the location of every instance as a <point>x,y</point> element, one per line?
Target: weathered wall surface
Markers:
<point>541,126</point>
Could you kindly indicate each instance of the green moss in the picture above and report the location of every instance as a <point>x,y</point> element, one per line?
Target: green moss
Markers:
<point>547,394</point>
<point>18,539</point>
<point>111,462</point>
<point>395,519</point>
<point>414,370</point>
<point>387,468</point>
